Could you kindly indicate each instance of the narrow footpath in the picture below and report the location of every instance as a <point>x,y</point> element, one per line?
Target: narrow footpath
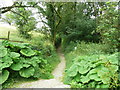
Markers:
<point>56,82</point>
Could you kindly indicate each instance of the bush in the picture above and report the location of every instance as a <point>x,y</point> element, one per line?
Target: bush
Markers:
<point>95,71</point>
<point>19,57</point>
<point>83,48</point>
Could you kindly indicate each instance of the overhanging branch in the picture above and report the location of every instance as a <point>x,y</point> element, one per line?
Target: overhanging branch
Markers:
<point>6,9</point>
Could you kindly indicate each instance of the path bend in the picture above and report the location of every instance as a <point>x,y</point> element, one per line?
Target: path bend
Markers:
<point>56,82</point>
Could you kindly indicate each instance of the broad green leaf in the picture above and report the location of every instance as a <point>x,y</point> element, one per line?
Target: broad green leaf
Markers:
<point>3,51</point>
<point>26,65</point>
<point>16,66</point>
<point>104,86</point>
<point>27,52</point>
<point>113,68</point>
<point>92,71</point>
<point>84,79</point>
<point>27,72</point>
<point>83,69</point>
<point>103,71</point>
<point>6,62</point>
<point>14,55</point>
<point>34,61</point>
<point>37,72</point>
<point>104,74</point>
<point>113,59</point>
<point>4,76</point>
<point>73,70</point>
<point>105,79</point>
<point>97,63</point>
<point>18,45</point>
<point>94,77</point>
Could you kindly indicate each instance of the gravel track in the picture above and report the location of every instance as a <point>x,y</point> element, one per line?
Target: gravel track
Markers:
<point>56,82</point>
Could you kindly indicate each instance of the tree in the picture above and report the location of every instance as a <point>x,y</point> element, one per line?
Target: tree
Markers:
<point>24,21</point>
<point>108,24</point>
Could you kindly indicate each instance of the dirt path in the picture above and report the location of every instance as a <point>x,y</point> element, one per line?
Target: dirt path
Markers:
<point>50,83</point>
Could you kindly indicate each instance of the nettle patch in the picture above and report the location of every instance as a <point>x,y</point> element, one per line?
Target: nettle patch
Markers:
<point>97,71</point>
<point>19,57</point>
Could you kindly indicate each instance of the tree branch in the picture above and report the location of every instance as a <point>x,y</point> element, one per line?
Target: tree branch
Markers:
<point>6,9</point>
<point>19,15</point>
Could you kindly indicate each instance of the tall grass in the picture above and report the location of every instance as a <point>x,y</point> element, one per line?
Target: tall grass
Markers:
<point>78,49</point>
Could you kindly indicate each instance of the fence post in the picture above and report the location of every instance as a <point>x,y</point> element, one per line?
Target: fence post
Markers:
<point>8,35</point>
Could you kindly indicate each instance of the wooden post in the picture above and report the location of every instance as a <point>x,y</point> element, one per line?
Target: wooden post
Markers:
<point>8,35</point>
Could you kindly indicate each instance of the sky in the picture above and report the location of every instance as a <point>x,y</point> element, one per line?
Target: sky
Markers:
<point>6,3</point>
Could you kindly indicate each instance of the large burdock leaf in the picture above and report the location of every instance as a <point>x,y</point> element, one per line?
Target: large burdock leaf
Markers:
<point>104,75</point>
<point>84,79</point>
<point>27,52</point>
<point>3,51</point>
<point>92,71</point>
<point>5,62</point>
<point>4,76</point>
<point>16,66</point>
<point>113,58</point>
<point>37,72</point>
<point>14,55</point>
<point>27,72</point>
<point>83,69</point>
<point>73,70</point>
<point>94,77</point>
<point>113,68</point>
<point>34,61</point>
<point>18,45</point>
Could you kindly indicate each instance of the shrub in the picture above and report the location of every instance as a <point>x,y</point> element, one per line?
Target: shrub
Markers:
<point>95,71</point>
<point>83,48</point>
<point>19,57</point>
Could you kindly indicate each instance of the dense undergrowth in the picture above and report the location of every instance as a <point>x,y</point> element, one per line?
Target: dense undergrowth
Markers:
<point>23,60</point>
<point>39,43</point>
<point>91,65</point>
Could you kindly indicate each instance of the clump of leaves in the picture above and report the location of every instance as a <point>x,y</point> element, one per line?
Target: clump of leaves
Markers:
<point>3,51</point>
<point>19,57</point>
<point>96,71</point>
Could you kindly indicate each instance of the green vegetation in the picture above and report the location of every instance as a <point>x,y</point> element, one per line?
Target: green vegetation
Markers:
<point>20,58</point>
<point>95,71</point>
<point>38,59</point>
<point>88,33</point>
<point>89,67</point>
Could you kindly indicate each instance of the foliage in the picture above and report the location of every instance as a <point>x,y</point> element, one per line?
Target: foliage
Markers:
<point>107,24</point>
<point>24,21</point>
<point>65,22</point>
<point>4,74</point>
<point>27,52</point>
<point>19,57</point>
<point>86,48</point>
<point>3,51</point>
<point>77,23</point>
<point>95,71</point>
